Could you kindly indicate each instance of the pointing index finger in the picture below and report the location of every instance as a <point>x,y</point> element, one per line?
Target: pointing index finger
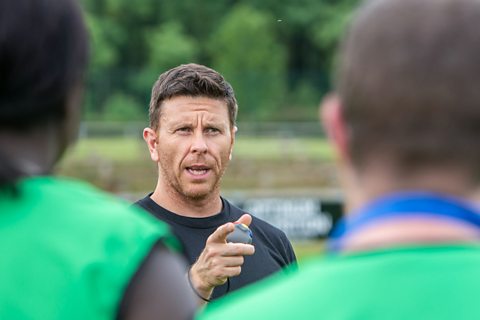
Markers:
<point>220,235</point>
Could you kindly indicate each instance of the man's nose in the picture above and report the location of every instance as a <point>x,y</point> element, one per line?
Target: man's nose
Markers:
<point>199,144</point>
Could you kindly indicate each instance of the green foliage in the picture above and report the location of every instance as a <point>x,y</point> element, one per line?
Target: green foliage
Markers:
<point>170,46</point>
<point>332,20</point>
<point>198,18</point>
<point>304,101</point>
<point>121,107</point>
<point>103,35</point>
<point>245,51</point>
<point>278,55</point>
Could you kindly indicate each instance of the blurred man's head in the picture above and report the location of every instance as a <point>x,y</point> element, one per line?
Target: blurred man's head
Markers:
<point>43,57</point>
<point>43,54</point>
<point>408,87</point>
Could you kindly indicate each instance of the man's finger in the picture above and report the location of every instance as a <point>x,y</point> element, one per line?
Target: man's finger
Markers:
<point>235,261</point>
<point>232,271</point>
<point>220,235</point>
<point>245,219</point>
<point>238,249</point>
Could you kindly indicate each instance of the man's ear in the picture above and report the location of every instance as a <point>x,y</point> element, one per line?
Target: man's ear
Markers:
<point>151,138</point>
<point>331,116</point>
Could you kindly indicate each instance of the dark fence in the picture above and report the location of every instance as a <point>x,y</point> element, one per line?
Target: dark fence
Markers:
<point>247,129</point>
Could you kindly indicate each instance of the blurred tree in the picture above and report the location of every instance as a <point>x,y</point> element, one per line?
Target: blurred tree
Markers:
<point>117,28</point>
<point>168,46</point>
<point>198,18</point>
<point>244,49</point>
<point>121,107</point>
<point>330,23</point>
<point>278,55</point>
<point>106,36</point>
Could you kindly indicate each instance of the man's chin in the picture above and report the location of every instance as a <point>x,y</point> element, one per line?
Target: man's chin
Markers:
<point>198,191</point>
<point>198,194</point>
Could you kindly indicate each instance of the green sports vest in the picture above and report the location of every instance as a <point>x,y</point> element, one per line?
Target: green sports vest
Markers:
<point>68,251</point>
<point>438,282</point>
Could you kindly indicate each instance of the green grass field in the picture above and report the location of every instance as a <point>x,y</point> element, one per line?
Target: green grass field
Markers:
<point>123,149</point>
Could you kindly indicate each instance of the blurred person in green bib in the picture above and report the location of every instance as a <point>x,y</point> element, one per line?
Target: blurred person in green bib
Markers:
<point>67,250</point>
<point>405,123</point>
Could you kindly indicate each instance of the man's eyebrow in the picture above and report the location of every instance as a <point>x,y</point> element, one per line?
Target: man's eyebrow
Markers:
<point>179,122</point>
<point>213,124</point>
<point>216,122</point>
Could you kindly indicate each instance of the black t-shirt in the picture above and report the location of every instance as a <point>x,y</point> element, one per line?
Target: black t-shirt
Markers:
<point>273,251</point>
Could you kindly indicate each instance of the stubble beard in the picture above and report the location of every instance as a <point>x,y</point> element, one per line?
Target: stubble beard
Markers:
<point>175,186</point>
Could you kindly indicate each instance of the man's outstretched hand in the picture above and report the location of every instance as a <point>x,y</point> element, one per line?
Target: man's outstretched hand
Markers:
<point>219,260</point>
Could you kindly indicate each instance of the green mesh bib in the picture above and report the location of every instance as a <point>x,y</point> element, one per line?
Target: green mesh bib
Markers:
<point>68,251</point>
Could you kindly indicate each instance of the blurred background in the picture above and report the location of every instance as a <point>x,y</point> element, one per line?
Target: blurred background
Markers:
<point>279,58</point>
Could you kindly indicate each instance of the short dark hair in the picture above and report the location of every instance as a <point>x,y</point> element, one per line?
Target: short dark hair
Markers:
<point>409,82</point>
<point>191,80</point>
<point>43,54</point>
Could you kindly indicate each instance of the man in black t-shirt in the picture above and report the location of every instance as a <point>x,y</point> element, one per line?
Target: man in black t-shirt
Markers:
<point>191,136</point>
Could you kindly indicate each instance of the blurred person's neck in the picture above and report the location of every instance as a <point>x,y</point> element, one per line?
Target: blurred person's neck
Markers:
<point>379,180</point>
<point>33,151</point>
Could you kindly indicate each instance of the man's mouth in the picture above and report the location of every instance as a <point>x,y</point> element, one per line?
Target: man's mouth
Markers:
<point>197,171</point>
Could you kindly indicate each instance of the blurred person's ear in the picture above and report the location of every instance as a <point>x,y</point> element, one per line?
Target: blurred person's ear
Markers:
<point>331,117</point>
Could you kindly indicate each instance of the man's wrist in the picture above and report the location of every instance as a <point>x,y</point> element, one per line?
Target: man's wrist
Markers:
<point>202,292</point>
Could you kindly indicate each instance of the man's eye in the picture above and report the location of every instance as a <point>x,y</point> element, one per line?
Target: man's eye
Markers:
<point>212,130</point>
<point>183,129</point>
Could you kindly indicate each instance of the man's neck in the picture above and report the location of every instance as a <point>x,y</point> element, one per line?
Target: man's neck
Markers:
<point>187,207</point>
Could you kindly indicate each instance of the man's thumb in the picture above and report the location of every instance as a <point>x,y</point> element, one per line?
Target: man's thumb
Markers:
<point>245,219</point>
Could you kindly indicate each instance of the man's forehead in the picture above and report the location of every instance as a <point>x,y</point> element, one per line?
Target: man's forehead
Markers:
<point>204,116</point>
<point>188,101</point>
<point>190,108</point>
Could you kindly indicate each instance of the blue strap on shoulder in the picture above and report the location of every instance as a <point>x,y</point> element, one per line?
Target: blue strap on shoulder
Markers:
<point>406,205</point>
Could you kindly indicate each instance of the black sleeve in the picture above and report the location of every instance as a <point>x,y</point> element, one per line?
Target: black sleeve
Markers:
<point>276,240</point>
<point>159,289</point>
<point>289,252</point>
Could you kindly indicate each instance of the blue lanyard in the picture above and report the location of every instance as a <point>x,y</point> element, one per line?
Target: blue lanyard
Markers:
<point>411,204</point>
